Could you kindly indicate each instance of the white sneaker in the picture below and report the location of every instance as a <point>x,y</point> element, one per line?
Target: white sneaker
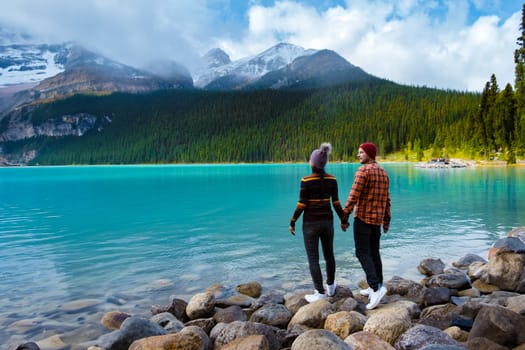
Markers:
<point>375,298</point>
<point>331,289</point>
<point>366,292</point>
<point>314,297</point>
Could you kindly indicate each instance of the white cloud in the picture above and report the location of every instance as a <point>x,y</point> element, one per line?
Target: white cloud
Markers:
<point>132,31</point>
<point>401,42</point>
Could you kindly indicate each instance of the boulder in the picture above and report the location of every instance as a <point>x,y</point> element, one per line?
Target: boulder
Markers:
<point>288,336</point>
<point>230,314</point>
<point>457,334</point>
<point>251,289</point>
<point>518,232</point>
<point>167,321</point>
<point>463,323</point>
<point>344,323</point>
<point>420,336</point>
<point>189,338</point>
<point>406,288</point>
<point>177,307</point>
<point>133,328</point>
<point>499,325</point>
<point>240,329</point>
<point>476,270</point>
<point>54,342</point>
<point>276,315</point>
<point>113,319</point>
<point>430,267</point>
<point>251,342</point>
<point>479,343</point>
<point>241,300</point>
<point>507,245</point>
<point>467,294</point>
<point>436,295</point>
<point>453,280</point>
<point>201,305</point>
<point>349,304</point>
<point>216,330</point>
<point>484,288</point>
<point>438,316</point>
<point>313,315</point>
<point>469,310</point>
<point>467,260</point>
<point>443,347</point>
<point>499,297</point>
<point>319,339</point>
<point>206,324</point>
<point>507,271</point>
<point>367,341</point>
<point>28,346</point>
<point>390,321</point>
<point>268,298</point>
<point>516,304</point>
<point>296,301</point>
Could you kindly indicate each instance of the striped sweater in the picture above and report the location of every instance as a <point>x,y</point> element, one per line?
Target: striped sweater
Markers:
<point>318,193</point>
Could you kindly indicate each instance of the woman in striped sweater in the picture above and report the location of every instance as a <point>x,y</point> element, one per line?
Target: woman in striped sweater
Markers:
<point>319,192</point>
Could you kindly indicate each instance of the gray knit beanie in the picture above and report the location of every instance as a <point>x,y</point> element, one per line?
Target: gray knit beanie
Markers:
<point>319,157</point>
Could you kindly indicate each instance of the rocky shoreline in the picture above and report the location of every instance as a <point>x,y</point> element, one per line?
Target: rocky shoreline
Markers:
<point>475,303</point>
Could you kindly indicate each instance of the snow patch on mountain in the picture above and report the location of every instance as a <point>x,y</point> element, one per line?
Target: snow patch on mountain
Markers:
<point>23,64</point>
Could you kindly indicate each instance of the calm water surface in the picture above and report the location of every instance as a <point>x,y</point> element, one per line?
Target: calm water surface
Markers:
<point>127,237</point>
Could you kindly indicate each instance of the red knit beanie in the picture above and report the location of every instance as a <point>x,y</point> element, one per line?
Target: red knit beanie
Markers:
<point>369,149</point>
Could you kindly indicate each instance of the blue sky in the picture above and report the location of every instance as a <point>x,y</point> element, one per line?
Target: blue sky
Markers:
<point>450,44</point>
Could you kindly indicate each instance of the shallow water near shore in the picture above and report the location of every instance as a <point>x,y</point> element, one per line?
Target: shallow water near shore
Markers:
<point>76,242</point>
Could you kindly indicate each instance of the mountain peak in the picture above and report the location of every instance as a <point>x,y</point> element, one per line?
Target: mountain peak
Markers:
<point>239,73</point>
<point>216,58</point>
<point>288,52</point>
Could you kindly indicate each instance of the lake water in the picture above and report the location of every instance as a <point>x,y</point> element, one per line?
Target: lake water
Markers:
<point>126,237</point>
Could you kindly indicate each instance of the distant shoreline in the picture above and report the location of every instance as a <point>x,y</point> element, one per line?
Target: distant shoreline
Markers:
<point>470,162</point>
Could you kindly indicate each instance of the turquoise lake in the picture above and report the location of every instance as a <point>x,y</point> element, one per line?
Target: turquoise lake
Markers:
<point>140,234</point>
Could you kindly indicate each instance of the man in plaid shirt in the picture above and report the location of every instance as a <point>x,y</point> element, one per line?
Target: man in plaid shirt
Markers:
<point>370,198</point>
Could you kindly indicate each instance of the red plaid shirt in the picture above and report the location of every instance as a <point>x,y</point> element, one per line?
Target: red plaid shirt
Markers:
<point>370,196</point>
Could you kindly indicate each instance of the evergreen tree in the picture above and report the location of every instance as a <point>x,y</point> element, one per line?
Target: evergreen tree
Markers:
<point>519,59</point>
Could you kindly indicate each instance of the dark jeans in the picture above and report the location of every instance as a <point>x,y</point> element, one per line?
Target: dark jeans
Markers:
<point>313,232</point>
<point>366,238</point>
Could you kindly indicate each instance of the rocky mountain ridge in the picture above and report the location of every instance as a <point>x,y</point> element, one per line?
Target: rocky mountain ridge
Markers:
<point>70,69</point>
<point>61,70</point>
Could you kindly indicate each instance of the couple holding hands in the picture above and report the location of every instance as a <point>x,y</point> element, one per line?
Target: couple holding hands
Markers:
<point>369,199</point>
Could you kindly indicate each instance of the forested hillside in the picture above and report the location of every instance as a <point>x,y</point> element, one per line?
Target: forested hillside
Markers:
<point>187,126</point>
<point>198,126</point>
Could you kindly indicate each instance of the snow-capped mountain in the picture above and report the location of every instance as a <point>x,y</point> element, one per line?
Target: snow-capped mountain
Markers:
<point>237,74</point>
<point>323,68</point>
<point>87,71</point>
<point>30,64</point>
<point>51,71</point>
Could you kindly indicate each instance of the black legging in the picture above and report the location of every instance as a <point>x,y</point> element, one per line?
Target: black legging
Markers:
<point>313,232</point>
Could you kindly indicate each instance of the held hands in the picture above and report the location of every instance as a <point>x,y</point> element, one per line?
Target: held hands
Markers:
<point>344,226</point>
